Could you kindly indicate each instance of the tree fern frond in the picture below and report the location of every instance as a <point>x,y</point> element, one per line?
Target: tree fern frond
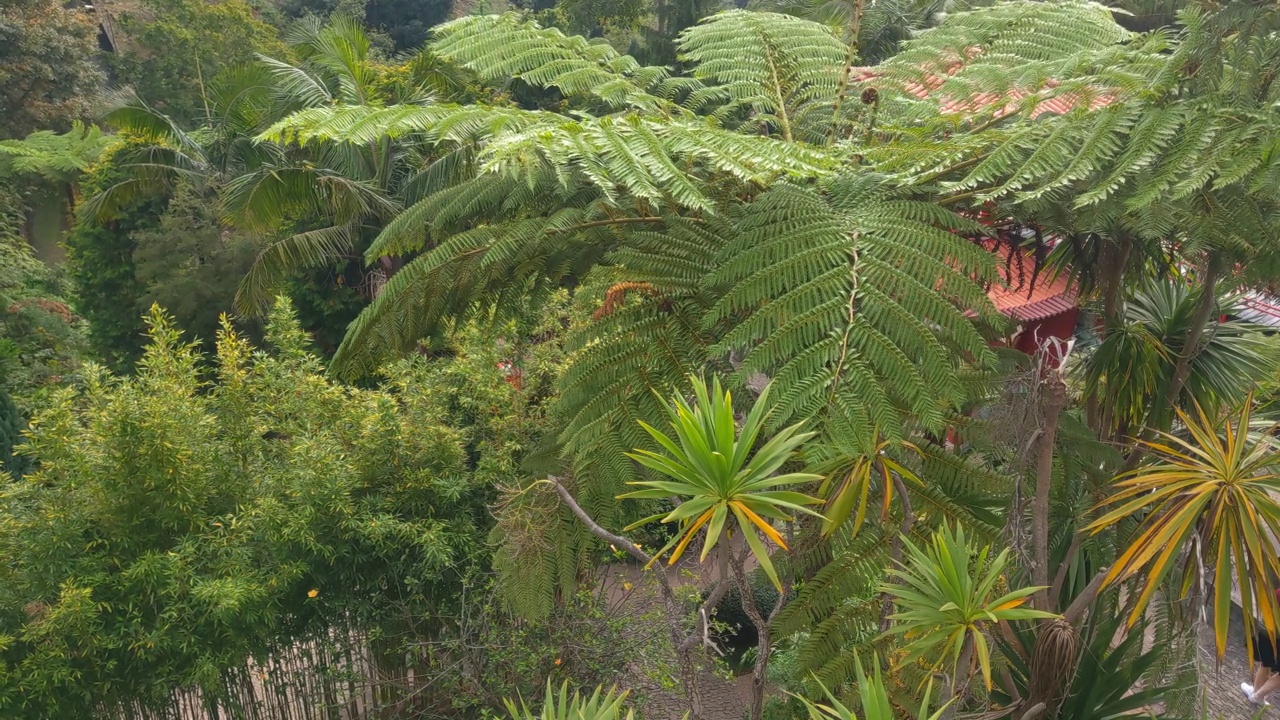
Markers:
<point>500,48</point>
<point>782,69</point>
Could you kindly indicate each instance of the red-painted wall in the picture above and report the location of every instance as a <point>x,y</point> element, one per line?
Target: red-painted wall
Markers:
<point>1061,326</point>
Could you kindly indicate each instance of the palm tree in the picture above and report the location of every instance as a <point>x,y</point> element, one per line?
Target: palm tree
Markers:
<point>1136,359</point>
<point>340,194</point>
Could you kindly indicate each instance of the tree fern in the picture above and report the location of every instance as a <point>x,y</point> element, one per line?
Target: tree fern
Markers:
<point>503,48</point>
<point>782,72</point>
<point>852,300</point>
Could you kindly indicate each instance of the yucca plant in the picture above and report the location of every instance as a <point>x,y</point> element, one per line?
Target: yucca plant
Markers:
<point>1214,489</point>
<point>949,596</point>
<point>874,697</point>
<point>850,488</point>
<point>601,705</point>
<point>715,475</point>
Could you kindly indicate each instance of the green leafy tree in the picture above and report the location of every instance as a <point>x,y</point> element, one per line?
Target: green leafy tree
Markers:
<point>49,74</point>
<point>190,263</point>
<point>317,205</point>
<point>11,426</point>
<point>222,517</point>
<point>173,49</point>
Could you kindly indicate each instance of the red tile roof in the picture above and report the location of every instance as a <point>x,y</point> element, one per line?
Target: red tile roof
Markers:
<point>1025,300</point>
<point>1009,102</point>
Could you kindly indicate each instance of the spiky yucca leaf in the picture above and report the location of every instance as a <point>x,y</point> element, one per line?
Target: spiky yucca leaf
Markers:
<point>947,600</point>
<point>601,705</point>
<point>716,472</point>
<point>1213,488</point>
<point>874,697</point>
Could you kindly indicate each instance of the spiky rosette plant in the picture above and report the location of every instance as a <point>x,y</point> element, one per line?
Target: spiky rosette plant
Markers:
<point>716,476</point>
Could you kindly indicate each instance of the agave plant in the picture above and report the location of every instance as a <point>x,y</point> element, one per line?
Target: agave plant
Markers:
<point>715,475</point>
<point>1212,488</point>
<point>949,598</point>
<point>602,705</point>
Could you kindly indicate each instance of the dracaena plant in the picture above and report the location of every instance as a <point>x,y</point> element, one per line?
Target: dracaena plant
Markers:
<point>949,596</point>
<point>720,482</point>
<point>1213,488</point>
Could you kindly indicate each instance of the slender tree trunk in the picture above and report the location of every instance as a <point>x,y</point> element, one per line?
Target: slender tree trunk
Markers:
<point>1053,397</point>
<point>764,640</point>
<point>895,548</point>
<point>1115,257</point>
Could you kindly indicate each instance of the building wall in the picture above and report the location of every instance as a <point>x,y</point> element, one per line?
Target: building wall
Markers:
<point>1061,326</point>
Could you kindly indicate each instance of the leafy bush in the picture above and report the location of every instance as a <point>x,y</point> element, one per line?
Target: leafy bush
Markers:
<point>41,340</point>
<point>179,523</point>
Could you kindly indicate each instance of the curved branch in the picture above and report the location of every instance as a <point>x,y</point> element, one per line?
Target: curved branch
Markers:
<point>595,528</point>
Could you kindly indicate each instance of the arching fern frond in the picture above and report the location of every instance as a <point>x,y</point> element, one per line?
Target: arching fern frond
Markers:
<point>854,301</point>
<point>781,70</point>
<point>501,48</point>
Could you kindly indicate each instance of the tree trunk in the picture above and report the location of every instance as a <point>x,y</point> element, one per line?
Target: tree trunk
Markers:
<point>764,640</point>
<point>895,548</point>
<point>1182,370</point>
<point>1053,397</point>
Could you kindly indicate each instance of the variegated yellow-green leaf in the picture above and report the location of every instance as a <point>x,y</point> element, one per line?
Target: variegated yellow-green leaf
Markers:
<point>715,475</point>
<point>1214,485</point>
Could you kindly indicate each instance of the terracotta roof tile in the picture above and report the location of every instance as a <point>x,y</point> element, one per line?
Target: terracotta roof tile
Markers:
<point>1059,105</point>
<point>1024,300</point>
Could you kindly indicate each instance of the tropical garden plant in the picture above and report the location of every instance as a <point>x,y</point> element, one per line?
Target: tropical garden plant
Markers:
<point>949,600</point>
<point>804,208</point>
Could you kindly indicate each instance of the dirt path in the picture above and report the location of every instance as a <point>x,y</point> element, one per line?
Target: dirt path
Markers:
<point>1220,685</point>
<point>637,592</point>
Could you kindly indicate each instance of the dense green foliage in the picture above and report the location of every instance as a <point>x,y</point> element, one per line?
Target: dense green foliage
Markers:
<point>509,240</point>
<point>49,74</point>
<point>239,510</point>
<point>41,339</point>
<point>100,263</point>
<point>171,49</point>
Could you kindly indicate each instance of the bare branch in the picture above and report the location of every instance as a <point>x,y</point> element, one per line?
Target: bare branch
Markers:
<point>595,528</point>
